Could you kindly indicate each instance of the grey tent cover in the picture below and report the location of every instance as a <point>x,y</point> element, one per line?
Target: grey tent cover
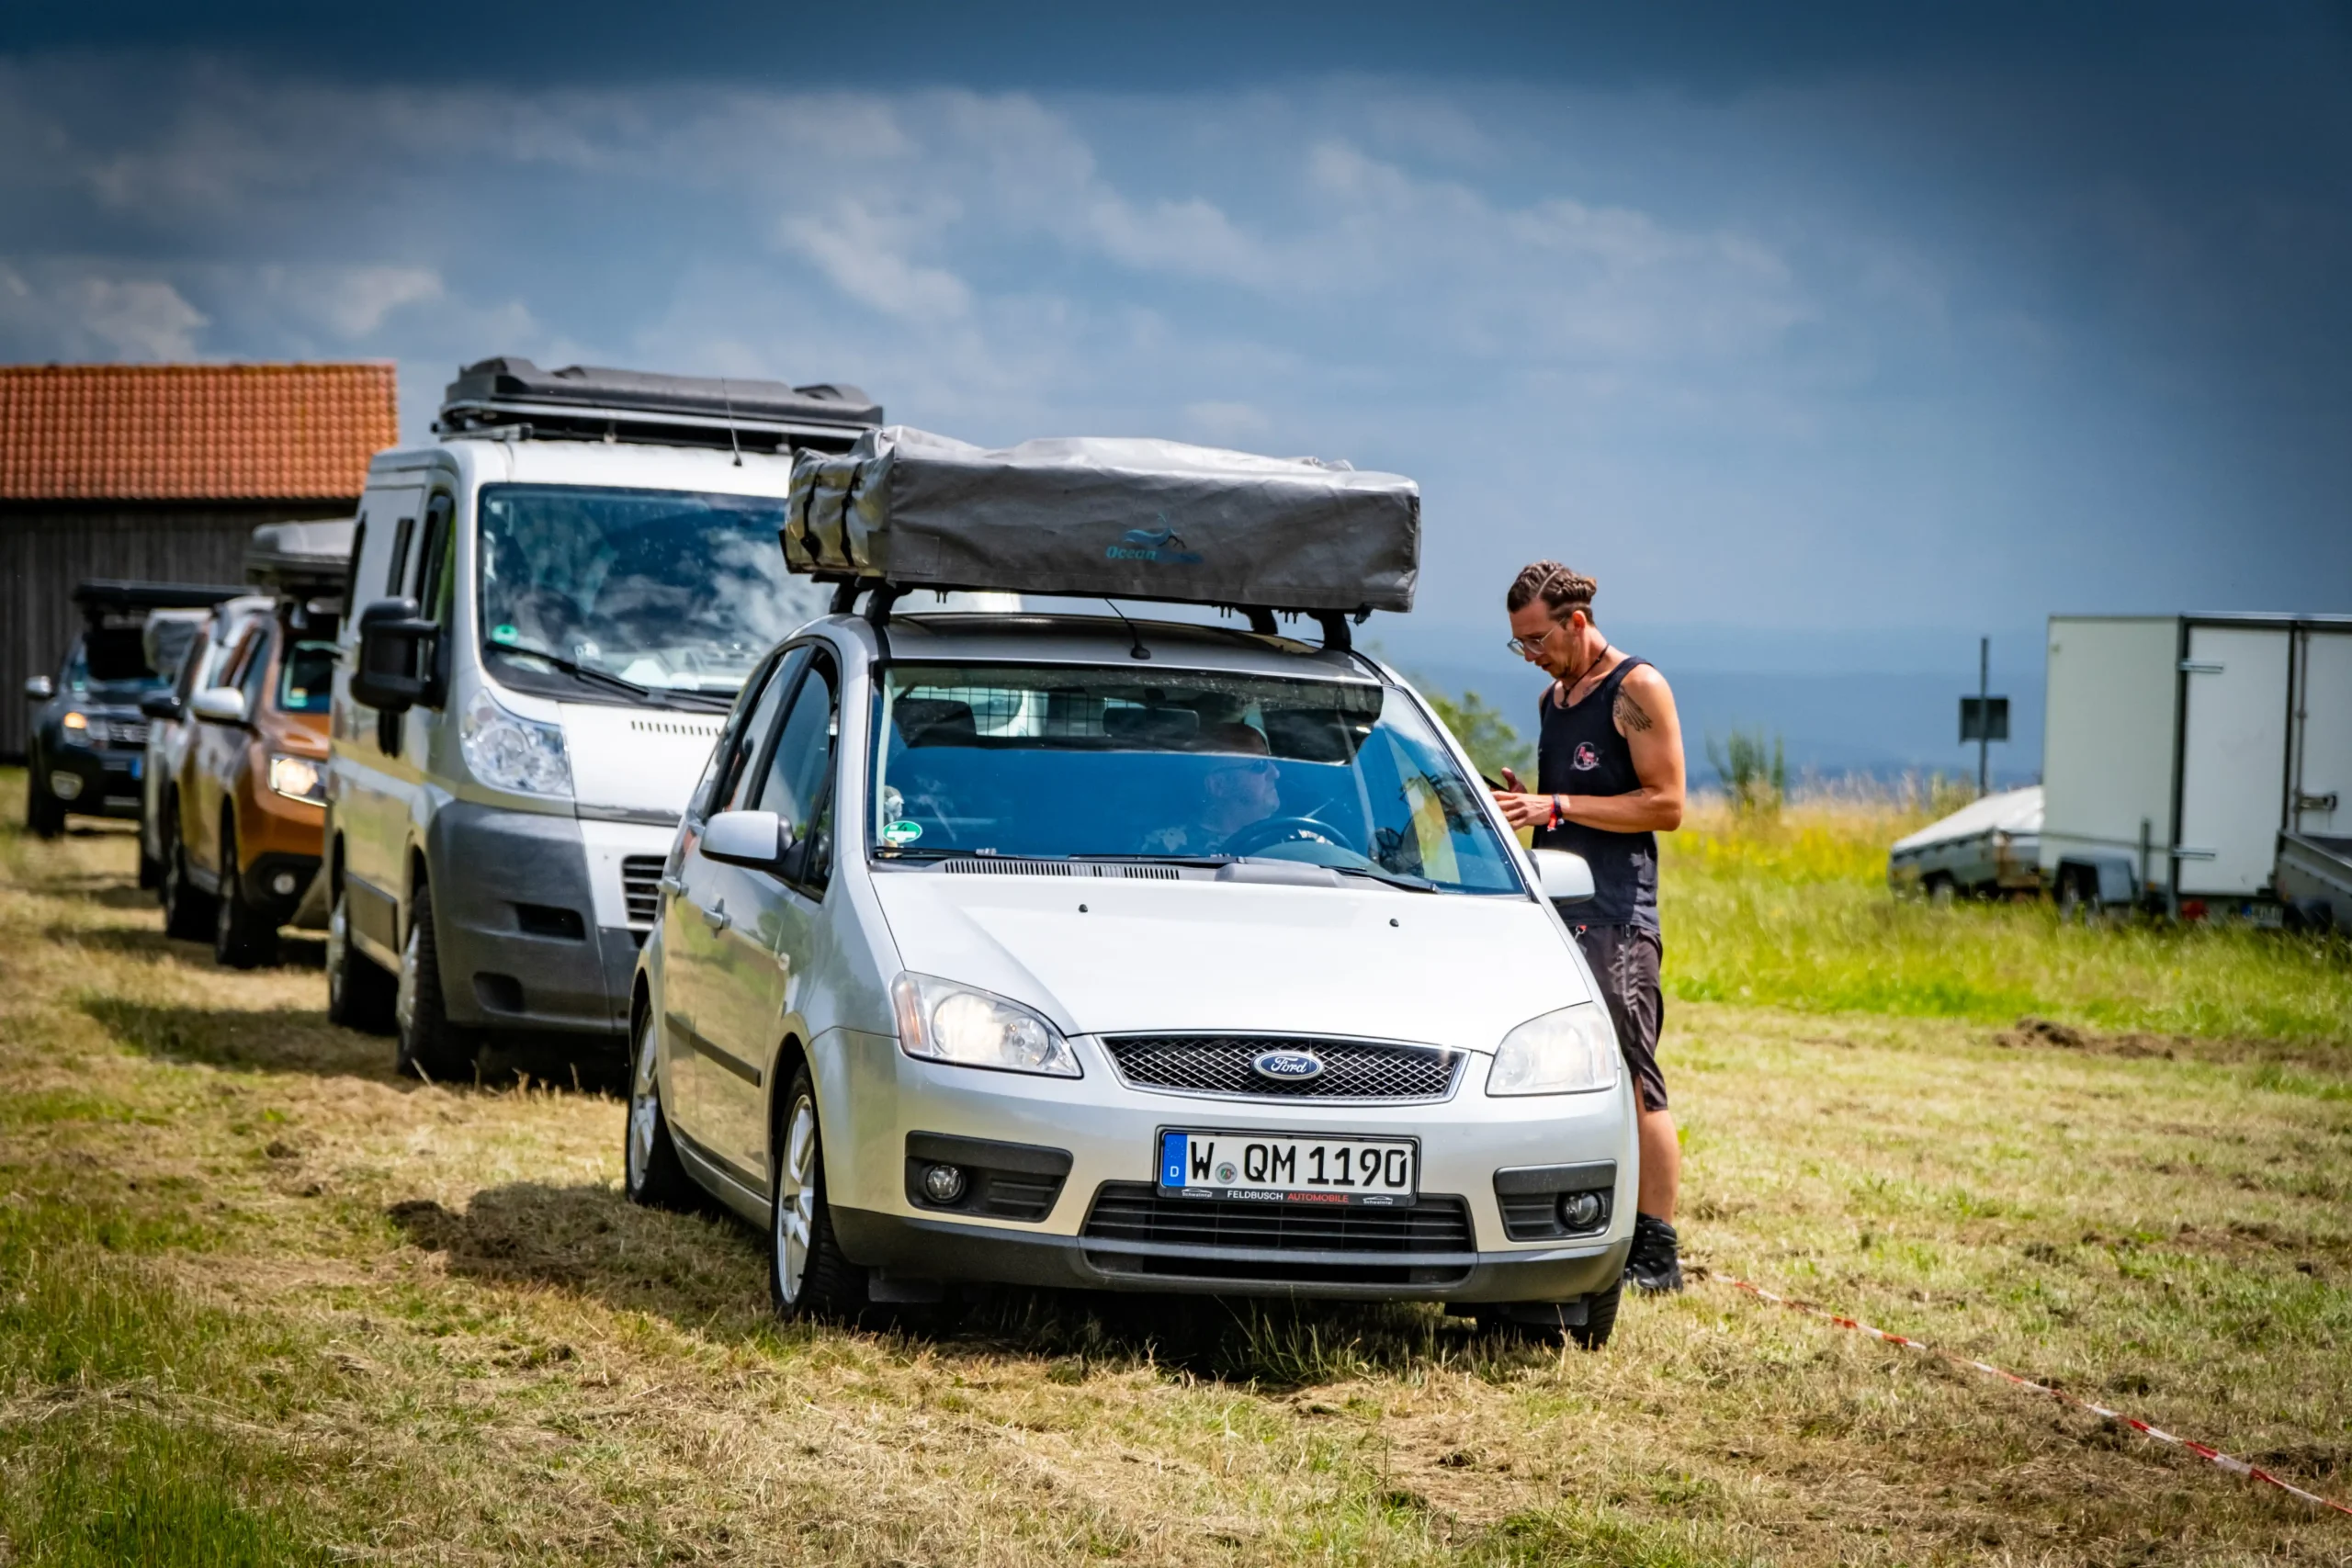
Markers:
<point>1131,519</point>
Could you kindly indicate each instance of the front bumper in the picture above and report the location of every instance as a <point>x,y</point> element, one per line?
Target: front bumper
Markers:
<point>108,779</point>
<point>528,939</point>
<point>874,1098</point>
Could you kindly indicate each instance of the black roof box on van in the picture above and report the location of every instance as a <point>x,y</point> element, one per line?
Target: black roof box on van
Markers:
<point>593,403</point>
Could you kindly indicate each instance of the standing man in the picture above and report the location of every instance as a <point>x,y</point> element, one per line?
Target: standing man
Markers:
<point>1609,779</point>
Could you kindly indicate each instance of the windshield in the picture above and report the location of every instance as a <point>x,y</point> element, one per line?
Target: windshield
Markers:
<point>306,680</point>
<point>663,589</point>
<point>110,661</point>
<point>1058,762</point>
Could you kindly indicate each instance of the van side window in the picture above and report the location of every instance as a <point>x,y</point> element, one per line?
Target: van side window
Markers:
<point>799,783</point>
<point>432,560</point>
<point>351,604</point>
<point>253,679</point>
<point>398,571</point>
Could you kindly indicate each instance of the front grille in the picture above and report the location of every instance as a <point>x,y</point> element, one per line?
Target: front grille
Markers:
<point>1220,1064</point>
<point>642,887</point>
<point>1134,1230</point>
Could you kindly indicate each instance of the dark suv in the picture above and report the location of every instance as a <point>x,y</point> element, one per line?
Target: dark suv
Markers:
<point>89,736</point>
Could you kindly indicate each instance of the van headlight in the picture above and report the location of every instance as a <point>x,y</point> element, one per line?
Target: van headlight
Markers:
<point>298,778</point>
<point>506,750</point>
<point>1569,1052</point>
<point>940,1021</point>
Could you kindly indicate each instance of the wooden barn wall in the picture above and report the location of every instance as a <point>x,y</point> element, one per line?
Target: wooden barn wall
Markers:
<point>46,549</point>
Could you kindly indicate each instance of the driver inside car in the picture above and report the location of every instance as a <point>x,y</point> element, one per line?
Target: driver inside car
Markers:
<point>1242,788</point>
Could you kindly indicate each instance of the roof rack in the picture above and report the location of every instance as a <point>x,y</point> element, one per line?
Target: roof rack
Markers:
<point>515,398</point>
<point>100,596</point>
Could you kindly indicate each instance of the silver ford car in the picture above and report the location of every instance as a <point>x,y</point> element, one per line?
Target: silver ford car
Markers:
<point>1064,951</point>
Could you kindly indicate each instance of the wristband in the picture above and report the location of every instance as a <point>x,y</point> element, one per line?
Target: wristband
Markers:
<point>1557,812</point>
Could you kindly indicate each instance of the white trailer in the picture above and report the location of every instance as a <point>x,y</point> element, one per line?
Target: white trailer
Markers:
<point>2178,748</point>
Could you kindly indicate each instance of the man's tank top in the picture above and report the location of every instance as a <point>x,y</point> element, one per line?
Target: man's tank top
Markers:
<point>1580,752</point>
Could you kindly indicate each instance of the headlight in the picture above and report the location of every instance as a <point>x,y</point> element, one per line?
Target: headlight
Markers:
<point>298,778</point>
<point>1567,1052</point>
<point>76,724</point>
<point>506,750</point>
<point>942,1021</point>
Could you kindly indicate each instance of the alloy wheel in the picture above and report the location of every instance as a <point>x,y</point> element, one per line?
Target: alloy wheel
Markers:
<point>796,1199</point>
<point>404,997</point>
<point>644,1109</point>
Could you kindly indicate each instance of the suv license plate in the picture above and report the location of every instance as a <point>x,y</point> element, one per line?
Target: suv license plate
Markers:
<point>1275,1167</point>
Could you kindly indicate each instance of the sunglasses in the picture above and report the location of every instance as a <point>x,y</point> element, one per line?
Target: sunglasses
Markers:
<point>1529,647</point>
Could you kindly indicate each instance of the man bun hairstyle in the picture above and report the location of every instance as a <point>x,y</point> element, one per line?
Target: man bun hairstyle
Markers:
<point>1562,590</point>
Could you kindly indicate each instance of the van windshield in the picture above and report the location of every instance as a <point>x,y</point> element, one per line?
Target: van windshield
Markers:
<point>665,590</point>
<point>1067,761</point>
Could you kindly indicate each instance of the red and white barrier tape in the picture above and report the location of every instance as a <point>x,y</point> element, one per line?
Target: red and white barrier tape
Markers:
<point>2233,1465</point>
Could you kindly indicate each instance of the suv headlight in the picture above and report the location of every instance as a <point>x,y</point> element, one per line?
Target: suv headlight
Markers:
<point>940,1021</point>
<point>506,750</point>
<point>298,778</point>
<point>1569,1052</point>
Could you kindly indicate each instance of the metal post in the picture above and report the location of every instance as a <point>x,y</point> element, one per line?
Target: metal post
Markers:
<point>1984,713</point>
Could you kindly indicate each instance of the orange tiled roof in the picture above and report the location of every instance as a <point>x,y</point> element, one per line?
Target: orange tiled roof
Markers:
<point>192,431</point>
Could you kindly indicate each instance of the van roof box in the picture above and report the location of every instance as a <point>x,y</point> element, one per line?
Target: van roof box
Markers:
<point>114,599</point>
<point>1119,518</point>
<point>301,557</point>
<point>586,402</point>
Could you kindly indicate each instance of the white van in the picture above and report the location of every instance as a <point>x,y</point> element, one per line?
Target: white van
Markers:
<point>551,610</point>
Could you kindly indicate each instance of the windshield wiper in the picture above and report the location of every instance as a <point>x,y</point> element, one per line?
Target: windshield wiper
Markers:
<point>653,697</point>
<point>1394,878</point>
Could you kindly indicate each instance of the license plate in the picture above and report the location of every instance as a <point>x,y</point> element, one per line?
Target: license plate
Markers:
<point>1280,1168</point>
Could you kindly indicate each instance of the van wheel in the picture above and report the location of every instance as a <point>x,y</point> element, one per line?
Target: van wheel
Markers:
<point>1940,888</point>
<point>44,813</point>
<point>807,1275</point>
<point>359,993</point>
<point>648,1157</point>
<point>243,938</point>
<point>187,908</point>
<point>430,1046</point>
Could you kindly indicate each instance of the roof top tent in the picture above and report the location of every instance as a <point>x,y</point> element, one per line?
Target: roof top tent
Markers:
<point>588,402</point>
<point>2184,746</point>
<point>1115,518</point>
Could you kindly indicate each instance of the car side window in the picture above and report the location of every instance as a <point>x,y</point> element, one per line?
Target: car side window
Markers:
<point>797,784</point>
<point>731,790</point>
<point>253,678</point>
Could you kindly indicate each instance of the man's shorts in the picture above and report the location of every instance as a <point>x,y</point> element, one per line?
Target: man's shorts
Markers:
<point>1625,959</point>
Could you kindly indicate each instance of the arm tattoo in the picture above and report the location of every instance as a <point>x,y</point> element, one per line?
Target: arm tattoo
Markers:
<point>1630,717</point>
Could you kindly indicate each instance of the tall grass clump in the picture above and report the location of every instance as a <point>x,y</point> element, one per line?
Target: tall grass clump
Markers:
<point>1756,782</point>
<point>1791,908</point>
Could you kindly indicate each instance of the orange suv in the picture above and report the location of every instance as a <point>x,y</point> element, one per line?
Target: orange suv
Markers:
<point>244,821</point>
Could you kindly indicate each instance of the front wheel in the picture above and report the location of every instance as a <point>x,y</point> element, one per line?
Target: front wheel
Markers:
<point>1545,1322</point>
<point>648,1157</point>
<point>359,993</point>
<point>189,913</point>
<point>809,1276</point>
<point>44,813</point>
<point>430,1046</point>
<point>242,937</point>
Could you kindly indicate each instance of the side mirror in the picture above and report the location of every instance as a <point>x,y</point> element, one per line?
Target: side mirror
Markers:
<point>747,837</point>
<point>219,705</point>
<point>161,706</point>
<point>1565,878</point>
<point>40,688</point>
<point>393,673</point>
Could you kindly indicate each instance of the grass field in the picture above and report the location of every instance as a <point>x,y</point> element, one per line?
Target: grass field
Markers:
<point>260,1301</point>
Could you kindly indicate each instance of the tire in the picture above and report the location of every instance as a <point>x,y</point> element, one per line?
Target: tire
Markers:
<point>431,1047</point>
<point>651,1170</point>
<point>1540,1322</point>
<point>44,813</point>
<point>243,938</point>
<point>1940,889</point>
<point>189,913</point>
<point>809,1276</point>
<point>360,992</point>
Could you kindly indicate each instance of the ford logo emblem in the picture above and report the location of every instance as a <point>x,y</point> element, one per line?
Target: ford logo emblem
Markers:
<point>1289,1067</point>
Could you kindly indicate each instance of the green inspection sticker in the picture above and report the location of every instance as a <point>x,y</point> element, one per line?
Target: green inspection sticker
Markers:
<point>504,633</point>
<point>901,833</point>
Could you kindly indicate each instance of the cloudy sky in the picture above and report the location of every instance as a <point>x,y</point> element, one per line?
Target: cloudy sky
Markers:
<point>1823,343</point>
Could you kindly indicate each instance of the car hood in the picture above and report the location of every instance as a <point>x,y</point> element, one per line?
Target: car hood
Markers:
<point>641,760</point>
<point>1184,956</point>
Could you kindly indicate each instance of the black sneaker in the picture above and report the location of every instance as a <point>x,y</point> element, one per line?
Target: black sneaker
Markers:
<point>1653,1267</point>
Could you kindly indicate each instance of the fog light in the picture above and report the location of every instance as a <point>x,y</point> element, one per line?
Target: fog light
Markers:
<point>282,883</point>
<point>1580,1210</point>
<point>942,1184</point>
<point>65,786</point>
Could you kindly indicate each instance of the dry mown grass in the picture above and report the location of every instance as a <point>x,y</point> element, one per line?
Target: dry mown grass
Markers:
<point>258,1294</point>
